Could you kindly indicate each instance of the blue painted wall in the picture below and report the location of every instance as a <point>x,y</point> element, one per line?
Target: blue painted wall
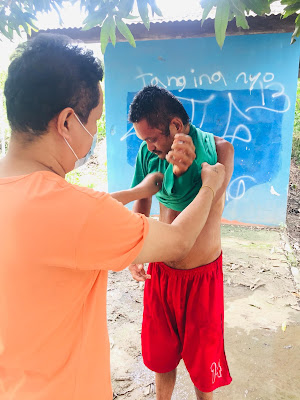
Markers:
<point>245,93</point>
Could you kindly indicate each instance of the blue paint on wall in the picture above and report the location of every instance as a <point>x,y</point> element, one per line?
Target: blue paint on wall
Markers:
<point>244,93</point>
<point>254,132</point>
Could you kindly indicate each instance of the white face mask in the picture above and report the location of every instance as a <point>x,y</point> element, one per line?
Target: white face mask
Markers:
<point>81,161</point>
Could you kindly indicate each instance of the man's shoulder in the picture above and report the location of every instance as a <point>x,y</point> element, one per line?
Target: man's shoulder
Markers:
<point>199,133</point>
<point>205,145</point>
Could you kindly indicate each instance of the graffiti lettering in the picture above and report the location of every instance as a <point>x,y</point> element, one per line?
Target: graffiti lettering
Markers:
<point>180,82</point>
<point>238,119</point>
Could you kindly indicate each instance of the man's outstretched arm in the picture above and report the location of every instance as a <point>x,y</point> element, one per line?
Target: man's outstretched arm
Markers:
<point>143,192</point>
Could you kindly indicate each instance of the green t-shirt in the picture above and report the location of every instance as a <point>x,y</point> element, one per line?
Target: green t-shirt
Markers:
<point>177,193</point>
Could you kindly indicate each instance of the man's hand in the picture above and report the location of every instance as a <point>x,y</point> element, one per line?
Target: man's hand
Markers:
<point>213,176</point>
<point>150,185</point>
<point>182,153</point>
<point>138,272</point>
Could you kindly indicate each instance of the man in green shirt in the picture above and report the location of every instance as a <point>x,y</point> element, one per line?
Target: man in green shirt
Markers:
<point>183,300</point>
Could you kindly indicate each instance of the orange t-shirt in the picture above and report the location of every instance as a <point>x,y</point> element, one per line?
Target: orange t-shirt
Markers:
<point>57,242</point>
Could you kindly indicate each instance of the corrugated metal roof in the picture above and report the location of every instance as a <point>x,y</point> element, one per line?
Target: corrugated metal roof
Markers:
<point>195,13</point>
<point>189,11</point>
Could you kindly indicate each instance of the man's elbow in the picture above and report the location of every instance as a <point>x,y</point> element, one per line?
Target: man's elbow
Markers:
<point>227,147</point>
<point>181,248</point>
<point>226,155</point>
<point>230,148</point>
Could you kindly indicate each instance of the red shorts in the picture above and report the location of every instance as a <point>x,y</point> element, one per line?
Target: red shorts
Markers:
<point>184,318</point>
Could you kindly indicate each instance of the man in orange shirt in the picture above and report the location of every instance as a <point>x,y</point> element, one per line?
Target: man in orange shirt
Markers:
<point>57,240</point>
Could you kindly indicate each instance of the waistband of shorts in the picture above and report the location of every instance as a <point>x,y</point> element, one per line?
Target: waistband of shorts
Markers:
<point>212,266</point>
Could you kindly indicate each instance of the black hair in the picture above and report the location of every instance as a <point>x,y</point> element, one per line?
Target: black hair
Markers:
<point>46,75</point>
<point>158,106</point>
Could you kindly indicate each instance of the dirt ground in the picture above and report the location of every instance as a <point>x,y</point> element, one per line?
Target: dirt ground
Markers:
<point>262,315</point>
<point>262,324</point>
<point>293,210</point>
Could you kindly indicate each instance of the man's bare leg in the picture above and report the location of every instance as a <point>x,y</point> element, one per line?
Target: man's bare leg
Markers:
<point>165,385</point>
<point>202,395</point>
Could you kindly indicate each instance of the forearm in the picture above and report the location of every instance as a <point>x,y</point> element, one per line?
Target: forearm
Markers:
<point>172,242</point>
<point>192,220</point>
<point>129,195</point>
<point>142,206</point>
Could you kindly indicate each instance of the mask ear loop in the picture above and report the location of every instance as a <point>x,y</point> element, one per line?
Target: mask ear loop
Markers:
<point>84,129</point>
<point>83,125</point>
<point>71,149</point>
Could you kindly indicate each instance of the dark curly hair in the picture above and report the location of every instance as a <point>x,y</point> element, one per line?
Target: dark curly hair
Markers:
<point>158,106</point>
<point>46,75</point>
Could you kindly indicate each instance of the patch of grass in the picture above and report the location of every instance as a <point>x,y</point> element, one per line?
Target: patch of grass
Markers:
<point>85,176</point>
<point>296,136</point>
<point>101,122</point>
<point>258,245</point>
<point>4,126</point>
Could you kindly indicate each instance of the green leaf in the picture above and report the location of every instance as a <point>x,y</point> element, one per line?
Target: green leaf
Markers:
<point>221,21</point>
<point>143,11</point>
<point>292,9</point>
<point>26,28</point>
<point>95,19</point>
<point>112,31</point>
<point>125,7</point>
<point>128,16</point>
<point>231,16</point>
<point>155,9</point>
<point>125,31</point>
<point>17,29</point>
<point>296,32</point>
<point>10,33</point>
<point>241,22</point>
<point>287,2</point>
<point>29,18</point>
<point>4,31</point>
<point>55,6</point>
<point>238,8</point>
<point>259,7</point>
<point>207,6</point>
<point>104,34</point>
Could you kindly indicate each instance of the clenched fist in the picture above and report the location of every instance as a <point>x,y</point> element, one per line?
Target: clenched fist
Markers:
<point>182,153</point>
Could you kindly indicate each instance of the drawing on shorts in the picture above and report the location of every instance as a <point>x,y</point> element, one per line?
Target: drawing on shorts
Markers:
<point>216,371</point>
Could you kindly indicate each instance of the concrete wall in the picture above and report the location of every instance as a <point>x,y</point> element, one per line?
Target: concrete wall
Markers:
<point>244,93</point>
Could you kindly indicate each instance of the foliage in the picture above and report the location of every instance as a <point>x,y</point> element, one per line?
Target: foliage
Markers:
<point>227,10</point>
<point>4,126</point>
<point>296,136</point>
<point>109,14</point>
<point>101,125</point>
<point>16,14</point>
<point>112,14</point>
